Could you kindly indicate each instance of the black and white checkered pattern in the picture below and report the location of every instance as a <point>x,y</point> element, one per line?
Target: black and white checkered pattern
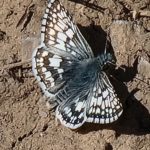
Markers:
<point>69,74</point>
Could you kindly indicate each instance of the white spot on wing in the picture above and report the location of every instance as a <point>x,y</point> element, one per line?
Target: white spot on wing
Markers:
<point>115,117</point>
<point>47,10</point>
<point>54,15</point>
<point>107,120</point>
<point>61,42</point>
<point>45,15</point>
<point>80,116</point>
<point>47,75</point>
<point>99,101</point>
<point>43,29</point>
<point>94,89</point>
<point>51,79</point>
<point>111,119</point>
<point>90,119</point>
<point>52,32</point>
<point>70,113</point>
<point>105,93</point>
<point>55,62</point>
<point>110,111</point>
<point>70,33</point>
<point>99,91</point>
<point>52,84</point>
<point>93,111</point>
<point>51,24</point>
<point>96,120</point>
<point>56,56</point>
<point>93,101</point>
<point>79,106</point>
<point>72,44</point>
<point>107,103</point>
<point>61,24</point>
<point>57,28</point>
<point>102,121</point>
<point>45,53</point>
<point>60,70</point>
<point>44,69</point>
<point>61,47</point>
<point>103,105</point>
<point>38,78</point>
<point>114,102</point>
<point>40,60</point>
<point>107,110</point>
<point>62,36</point>
<point>90,111</point>
<point>58,6</point>
<point>98,111</point>
<point>118,107</point>
<point>74,119</point>
<point>51,42</point>
<point>40,64</point>
<point>103,112</point>
<point>44,22</point>
<point>42,37</point>
<point>73,53</point>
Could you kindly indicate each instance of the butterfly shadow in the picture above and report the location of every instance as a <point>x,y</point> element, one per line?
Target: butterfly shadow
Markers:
<point>97,38</point>
<point>136,117</point>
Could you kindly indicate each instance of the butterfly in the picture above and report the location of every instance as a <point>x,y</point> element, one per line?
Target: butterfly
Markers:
<point>70,76</point>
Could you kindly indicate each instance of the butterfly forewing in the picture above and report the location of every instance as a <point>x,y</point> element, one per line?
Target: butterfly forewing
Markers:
<point>59,30</point>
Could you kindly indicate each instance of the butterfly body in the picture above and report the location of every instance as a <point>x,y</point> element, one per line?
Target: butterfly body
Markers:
<point>70,76</point>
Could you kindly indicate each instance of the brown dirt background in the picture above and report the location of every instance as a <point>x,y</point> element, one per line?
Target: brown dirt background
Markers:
<point>25,121</point>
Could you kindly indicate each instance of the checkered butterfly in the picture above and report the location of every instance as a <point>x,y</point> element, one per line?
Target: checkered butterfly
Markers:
<point>69,74</point>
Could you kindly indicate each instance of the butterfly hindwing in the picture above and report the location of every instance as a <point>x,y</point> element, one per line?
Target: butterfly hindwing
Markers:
<point>49,68</point>
<point>103,106</point>
<point>72,114</point>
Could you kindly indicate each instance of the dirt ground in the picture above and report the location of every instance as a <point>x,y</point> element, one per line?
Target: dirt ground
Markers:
<point>26,123</point>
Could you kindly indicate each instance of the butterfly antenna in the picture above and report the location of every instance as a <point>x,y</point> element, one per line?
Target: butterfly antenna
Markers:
<point>106,44</point>
<point>105,50</point>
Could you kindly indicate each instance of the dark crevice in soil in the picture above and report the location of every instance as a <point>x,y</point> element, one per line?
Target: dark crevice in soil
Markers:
<point>13,145</point>
<point>44,127</point>
<point>24,136</point>
<point>90,5</point>
<point>2,35</point>
<point>26,17</point>
<point>108,146</point>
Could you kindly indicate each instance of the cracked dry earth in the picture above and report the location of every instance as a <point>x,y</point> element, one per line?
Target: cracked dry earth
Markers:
<point>26,123</point>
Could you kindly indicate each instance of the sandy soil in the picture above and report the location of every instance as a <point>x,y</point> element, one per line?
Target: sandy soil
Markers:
<point>25,121</point>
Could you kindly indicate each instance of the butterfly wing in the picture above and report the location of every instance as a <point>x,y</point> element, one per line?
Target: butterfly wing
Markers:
<point>72,113</point>
<point>49,67</point>
<point>61,45</point>
<point>103,105</point>
<point>59,31</point>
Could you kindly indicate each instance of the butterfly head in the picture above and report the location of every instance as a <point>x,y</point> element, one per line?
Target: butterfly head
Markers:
<point>105,60</point>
